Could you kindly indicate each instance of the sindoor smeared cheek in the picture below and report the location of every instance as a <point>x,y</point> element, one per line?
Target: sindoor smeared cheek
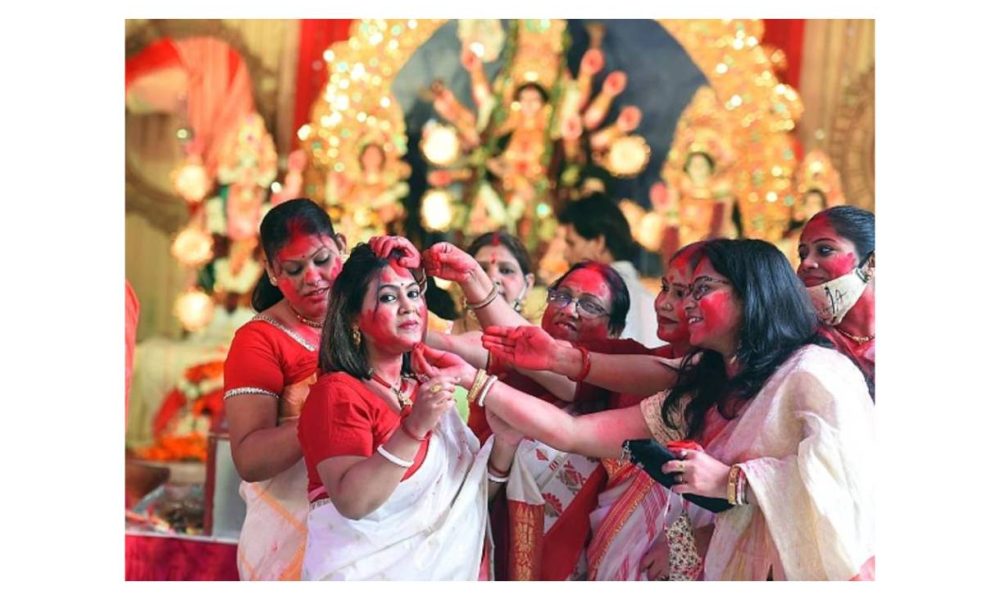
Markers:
<point>718,312</point>
<point>593,329</point>
<point>375,323</point>
<point>841,264</point>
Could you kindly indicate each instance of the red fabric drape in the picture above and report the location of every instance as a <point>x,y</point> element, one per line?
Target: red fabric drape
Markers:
<point>315,36</point>
<point>156,558</point>
<point>787,34</point>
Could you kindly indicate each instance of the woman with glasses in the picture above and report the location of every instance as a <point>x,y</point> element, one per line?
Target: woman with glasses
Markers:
<point>556,491</point>
<point>398,485</point>
<point>783,424</point>
<point>837,266</point>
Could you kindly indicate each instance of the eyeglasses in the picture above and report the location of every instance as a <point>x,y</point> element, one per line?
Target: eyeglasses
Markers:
<point>588,309</point>
<point>700,287</point>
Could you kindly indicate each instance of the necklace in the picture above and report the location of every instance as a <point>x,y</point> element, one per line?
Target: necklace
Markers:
<point>307,321</point>
<point>858,339</point>
<point>397,390</point>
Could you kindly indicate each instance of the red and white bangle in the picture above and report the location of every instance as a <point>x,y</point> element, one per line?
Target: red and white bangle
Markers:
<point>585,367</point>
<point>410,434</point>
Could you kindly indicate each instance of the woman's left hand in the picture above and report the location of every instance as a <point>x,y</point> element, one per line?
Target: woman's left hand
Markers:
<point>384,245</point>
<point>698,473</point>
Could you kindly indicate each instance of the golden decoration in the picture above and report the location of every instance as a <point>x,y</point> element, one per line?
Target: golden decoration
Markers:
<point>628,156</point>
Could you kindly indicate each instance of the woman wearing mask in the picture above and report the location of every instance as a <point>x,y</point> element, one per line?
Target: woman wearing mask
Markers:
<point>785,425</point>
<point>837,253</point>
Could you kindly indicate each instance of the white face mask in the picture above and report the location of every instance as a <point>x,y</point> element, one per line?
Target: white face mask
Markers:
<point>835,298</point>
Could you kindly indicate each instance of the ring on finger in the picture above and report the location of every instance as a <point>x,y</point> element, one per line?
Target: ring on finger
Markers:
<point>435,388</point>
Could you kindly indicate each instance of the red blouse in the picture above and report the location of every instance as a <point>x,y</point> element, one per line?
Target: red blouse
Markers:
<point>266,358</point>
<point>863,353</point>
<point>342,417</point>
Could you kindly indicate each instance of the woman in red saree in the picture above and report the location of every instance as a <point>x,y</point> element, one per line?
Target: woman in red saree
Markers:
<point>271,363</point>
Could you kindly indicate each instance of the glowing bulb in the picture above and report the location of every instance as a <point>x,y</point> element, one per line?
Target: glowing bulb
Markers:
<point>435,210</point>
<point>194,309</point>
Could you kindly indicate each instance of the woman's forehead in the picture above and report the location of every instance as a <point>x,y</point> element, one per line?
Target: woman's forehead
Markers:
<point>393,274</point>
<point>587,280</point>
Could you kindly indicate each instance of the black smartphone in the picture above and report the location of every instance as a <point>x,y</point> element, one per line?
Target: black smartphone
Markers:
<point>650,456</point>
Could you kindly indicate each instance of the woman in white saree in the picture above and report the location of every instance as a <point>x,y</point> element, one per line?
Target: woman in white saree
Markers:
<point>398,484</point>
<point>786,424</point>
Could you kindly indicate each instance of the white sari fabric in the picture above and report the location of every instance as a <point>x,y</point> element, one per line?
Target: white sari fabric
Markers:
<point>807,445</point>
<point>432,527</point>
<point>273,536</point>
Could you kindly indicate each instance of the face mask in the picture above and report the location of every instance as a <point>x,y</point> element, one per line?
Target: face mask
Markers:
<point>836,297</point>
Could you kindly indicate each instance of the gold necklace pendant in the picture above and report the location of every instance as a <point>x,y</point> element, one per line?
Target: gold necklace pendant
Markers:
<point>858,339</point>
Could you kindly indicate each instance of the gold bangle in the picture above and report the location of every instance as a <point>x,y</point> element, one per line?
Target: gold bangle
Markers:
<point>734,474</point>
<point>292,418</point>
<point>489,298</point>
<point>477,385</point>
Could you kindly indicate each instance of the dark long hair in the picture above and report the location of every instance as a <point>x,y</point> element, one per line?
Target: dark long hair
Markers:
<point>620,300</point>
<point>280,224</point>
<point>778,319</point>
<point>337,351</point>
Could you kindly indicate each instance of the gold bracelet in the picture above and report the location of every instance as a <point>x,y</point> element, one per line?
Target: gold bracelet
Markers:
<point>477,385</point>
<point>489,298</point>
<point>734,474</point>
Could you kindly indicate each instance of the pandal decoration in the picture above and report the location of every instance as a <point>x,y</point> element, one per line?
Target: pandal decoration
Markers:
<point>755,112</point>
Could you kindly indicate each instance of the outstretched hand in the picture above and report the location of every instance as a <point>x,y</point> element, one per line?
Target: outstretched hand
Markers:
<point>504,431</point>
<point>384,245</point>
<point>525,347</point>
<point>428,362</point>
<point>447,261</point>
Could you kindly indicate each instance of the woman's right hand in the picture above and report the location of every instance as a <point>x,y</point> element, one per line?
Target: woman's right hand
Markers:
<point>525,347</point>
<point>447,261</point>
<point>434,397</point>
<point>429,362</point>
<point>385,245</point>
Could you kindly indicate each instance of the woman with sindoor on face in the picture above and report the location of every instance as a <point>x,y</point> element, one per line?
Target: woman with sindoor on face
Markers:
<point>786,424</point>
<point>837,254</point>
<point>505,259</point>
<point>398,484</point>
<point>555,491</point>
<point>271,363</point>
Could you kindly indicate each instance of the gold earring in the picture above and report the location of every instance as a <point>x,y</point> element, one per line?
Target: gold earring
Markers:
<point>356,337</point>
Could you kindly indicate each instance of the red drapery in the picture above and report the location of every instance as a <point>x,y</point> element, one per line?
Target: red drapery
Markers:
<point>159,558</point>
<point>315,36</point>
<point>787,34</point>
